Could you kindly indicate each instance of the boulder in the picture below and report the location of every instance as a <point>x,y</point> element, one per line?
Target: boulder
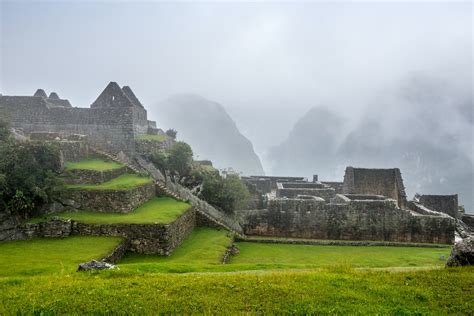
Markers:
<point>462,253</point>
<point>95,265</point>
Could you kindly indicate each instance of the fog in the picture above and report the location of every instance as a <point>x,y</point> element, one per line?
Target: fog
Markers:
<point>267,63</point>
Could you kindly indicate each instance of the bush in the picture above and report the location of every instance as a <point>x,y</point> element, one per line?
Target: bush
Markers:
<point>180,159</point>
<point>228,194</point>
<point>27,178</point>
<point>172,133</point>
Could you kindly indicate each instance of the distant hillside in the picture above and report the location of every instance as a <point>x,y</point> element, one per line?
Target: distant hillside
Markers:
<point>211,132</point>
<point>310,147</point>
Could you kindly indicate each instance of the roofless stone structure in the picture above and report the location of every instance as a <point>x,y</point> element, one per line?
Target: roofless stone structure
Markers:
<point>112,122</point>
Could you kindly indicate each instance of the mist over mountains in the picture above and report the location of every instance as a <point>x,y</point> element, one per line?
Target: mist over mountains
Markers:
<point>424,127</point>
<point>210,131</point>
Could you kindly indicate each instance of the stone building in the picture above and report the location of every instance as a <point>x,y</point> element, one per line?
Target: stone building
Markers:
<point>113,121</point>
<point>370,204</point>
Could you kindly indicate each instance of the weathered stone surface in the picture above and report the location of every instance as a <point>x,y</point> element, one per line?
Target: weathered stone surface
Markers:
<point>95,265</point>
<point>462,253</point>
<point>80,176</point>
<point>386,182</point>
<point>354,220</point>
<point>118,201</point>
<point>447,204</point>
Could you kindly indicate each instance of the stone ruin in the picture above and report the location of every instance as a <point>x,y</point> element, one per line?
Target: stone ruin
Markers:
<point>112,123</point>
<point>370,204</point>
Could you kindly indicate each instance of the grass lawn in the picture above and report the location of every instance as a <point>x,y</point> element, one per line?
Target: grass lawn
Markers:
<point>161,210</point>
<point>52,255</point>
<point>201,251</point>
<point>93,164</point>
<point>156,138</point>
<point>266,256</point>
<point>126,181</point>
<point>434,292</point>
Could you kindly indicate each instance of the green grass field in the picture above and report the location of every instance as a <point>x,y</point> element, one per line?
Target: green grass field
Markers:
<point>316,256</point>
<point>434,292</point>
<point>126,181</point>
<point>162,210</point>
<point>93,164</point>
<point>38,277</point>
<point>53,255</point>
<point>156,138</point>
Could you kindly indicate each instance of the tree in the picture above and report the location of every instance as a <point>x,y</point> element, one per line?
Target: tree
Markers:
<point>228,194</point>
<point>172,133</point>
<point>27,174</point>
<point>180,158</point>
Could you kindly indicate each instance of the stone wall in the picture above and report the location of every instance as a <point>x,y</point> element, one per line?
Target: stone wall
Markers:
<point>386,182</point>
<point>447,204</point>
<point>337,186</point>
<point>109,128</point>
<point>292,190</point>
<point>84,176</point>
<point>118,201</point>
<point>147,147</point>
<point>468,219</point>
<point>355,220</point>
<point>159,239</point>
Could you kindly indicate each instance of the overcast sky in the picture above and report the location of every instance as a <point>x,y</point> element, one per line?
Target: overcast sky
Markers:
<point>266,63</point>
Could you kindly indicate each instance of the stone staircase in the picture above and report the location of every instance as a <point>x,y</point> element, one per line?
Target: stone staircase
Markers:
<point>164,190</point>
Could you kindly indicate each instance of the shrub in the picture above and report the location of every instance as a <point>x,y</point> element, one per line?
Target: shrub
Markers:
<point>172,133</point>
<point>180,158</point>
<point>228,194</point>
<point>27,178</point>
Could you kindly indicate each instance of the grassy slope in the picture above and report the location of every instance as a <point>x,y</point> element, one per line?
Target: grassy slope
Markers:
<point>93,164</point>
<point>445,291</point>
<point>39,256</point>
<point>124,182</point>
<point>313,256</point>
<point>202,250</point>
<point>158,138</point>
<point>161,210</point>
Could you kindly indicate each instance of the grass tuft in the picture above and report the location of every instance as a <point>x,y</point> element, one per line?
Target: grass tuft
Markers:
<point>156,138</point>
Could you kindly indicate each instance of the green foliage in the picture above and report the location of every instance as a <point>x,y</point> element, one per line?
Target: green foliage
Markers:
<point>4,129</point>
<point>180,158</point>
<point>172,133</point>
<point>27,175</point>
<point>125,181</point>
<point>161,210</point>
<point>93,164</point>
<point>160,159</point>
<point>228,194</point>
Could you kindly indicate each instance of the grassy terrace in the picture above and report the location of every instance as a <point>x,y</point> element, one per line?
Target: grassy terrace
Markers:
<point>93,164</point>
<point>162,210</point>
<point>156,138</point>
<point>126,181</point>
<point>39,256</point>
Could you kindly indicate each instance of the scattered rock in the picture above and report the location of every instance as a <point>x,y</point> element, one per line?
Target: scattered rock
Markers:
<point>462,253</point>
<point>95,265</point>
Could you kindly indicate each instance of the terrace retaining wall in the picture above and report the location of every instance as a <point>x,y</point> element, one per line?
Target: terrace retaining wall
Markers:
<point>159,239</point>
<point>116,201</point>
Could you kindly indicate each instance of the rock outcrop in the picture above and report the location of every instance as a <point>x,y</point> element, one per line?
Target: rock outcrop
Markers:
<point>462,253</point>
